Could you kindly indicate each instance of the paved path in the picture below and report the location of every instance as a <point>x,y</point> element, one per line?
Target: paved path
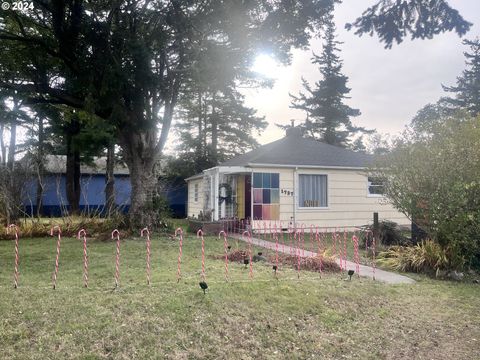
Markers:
<point>365,271</point>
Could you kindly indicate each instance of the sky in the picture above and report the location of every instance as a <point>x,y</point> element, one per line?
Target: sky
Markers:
<point>388,85</point>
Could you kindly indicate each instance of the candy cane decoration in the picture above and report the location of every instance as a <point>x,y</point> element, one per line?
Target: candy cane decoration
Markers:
<point>200,234</point>
<point>147,233</point>
<point>55,273</point>
<point>225,246</point>
<point>355,251</point>
<point>15,273</point>
<point>276,251</point>
<point>83,234</point>
<point>344,249</point>
<point>311,239</point>
<point>179,232</point>
<point>374,255</point>
<point>116,235</point>
<point>317,238</point>
<point>250,274</point>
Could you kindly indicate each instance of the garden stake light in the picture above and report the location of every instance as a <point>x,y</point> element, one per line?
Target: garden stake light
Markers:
<point>15,273</point>
<point>179,232</point>
<point>83,234</point>
<point>116,235</point>
<point>226,247</point>
<point>55,273</point>
<point>350,274</point>
<point>147,233</point>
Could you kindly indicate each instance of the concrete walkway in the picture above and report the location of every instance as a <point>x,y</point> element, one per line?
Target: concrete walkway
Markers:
<point>365,271</point>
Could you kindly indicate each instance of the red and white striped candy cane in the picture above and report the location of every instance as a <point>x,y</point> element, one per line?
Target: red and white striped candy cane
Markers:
<point>303,241</point>
<point>311,239</point>
<point>374,255</point>
<point>249,239</point>
<point>276,250</point>
<point>55,273</point>
<point>147,233</point>
<point>345,249</point>
<point>83,234</point>
<point>15,273</point>
<point>200,234</point>
<point>116,235</point>
<point>179,232</point>
<point>225,246</point>
<point>355,251</point>
<point>317,239</point>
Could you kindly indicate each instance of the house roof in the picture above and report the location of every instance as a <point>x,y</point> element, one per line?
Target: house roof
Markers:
<point>294,150</point>
<point>56,164</point>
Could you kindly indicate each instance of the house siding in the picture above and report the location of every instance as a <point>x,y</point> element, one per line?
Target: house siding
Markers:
<point>348,202</point>
<point>194,207</point>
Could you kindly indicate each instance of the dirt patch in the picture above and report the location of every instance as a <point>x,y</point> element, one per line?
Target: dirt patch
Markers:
<point>315,264</point>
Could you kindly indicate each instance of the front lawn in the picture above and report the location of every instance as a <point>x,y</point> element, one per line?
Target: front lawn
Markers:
<point>291,318</point>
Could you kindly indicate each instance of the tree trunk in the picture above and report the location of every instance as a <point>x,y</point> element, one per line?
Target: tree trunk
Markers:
<point>40,168</point>
<point>72,176</point>
<point>141,154</point>
<point>3,149</point>
<point>12,146</point>
<point>110,180</point>
<point>214,135</point>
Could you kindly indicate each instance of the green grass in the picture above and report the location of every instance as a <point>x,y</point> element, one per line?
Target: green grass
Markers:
<point>289,318</point>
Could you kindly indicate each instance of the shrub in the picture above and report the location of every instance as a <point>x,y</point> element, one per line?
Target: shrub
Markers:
<point>388,234</point>
<point>427,257</point>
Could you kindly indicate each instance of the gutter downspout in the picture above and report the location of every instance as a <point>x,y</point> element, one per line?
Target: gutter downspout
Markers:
<point>295,198</point>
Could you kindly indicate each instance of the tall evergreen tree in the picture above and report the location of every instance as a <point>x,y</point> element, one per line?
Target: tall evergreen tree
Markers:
<point>328,117</point>
<point>467,90</point>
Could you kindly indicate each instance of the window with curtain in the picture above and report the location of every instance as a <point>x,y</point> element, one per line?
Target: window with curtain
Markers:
<point>312,191</point>
<point>195,193</point>
<point>375,186</point>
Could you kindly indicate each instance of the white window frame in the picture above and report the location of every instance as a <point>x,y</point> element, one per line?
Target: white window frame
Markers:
<point>195,192</point>
<point>368,190</point>
<point>297,192</point>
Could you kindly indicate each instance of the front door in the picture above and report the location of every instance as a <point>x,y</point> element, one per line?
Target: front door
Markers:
<point>248,196</point>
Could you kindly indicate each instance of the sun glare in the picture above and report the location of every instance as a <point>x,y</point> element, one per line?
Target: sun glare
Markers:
<point>266,66</point>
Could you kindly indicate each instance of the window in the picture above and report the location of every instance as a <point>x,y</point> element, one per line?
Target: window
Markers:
<point>195,193</point>
<point>312,191</point>
<point>266,196</point>
<point>375,186</point>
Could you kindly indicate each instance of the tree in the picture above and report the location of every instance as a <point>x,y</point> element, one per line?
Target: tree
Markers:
<point>126,61</point>
<point>467,90</point>
<point>328,117</point>
<point>434,180</point>
<point>216,126</point>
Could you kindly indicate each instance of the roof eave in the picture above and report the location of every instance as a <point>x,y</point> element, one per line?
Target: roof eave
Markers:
<point>309,166</point>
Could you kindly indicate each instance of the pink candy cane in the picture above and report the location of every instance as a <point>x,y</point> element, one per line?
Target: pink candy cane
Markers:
<point>344,249</point>
<point>225,246</point>
<point>83,234</point>
<point>179,232</point>
<point>15,274</point>
<point>250,274</point>
<point>55,273</point>
<point>147,233</point>
<point>200,234</point>
<point>355,250</point>
<point>116,235</point>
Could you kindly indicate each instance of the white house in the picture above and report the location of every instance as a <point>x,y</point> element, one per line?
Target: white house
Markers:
<point>292,180</point>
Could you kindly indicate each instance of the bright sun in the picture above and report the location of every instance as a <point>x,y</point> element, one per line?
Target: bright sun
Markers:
<point>266,66</point>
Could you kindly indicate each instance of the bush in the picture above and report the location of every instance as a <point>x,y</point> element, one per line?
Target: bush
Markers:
<point>434,180</point>
<point>427,257</point>
<point>388,234</point>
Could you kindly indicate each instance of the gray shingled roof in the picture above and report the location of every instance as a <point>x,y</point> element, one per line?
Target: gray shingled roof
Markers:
<point>298,151</point>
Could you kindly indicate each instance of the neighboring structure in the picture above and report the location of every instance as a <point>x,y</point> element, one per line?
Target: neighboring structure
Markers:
<point>293,180</point>
<point>92,183</point>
